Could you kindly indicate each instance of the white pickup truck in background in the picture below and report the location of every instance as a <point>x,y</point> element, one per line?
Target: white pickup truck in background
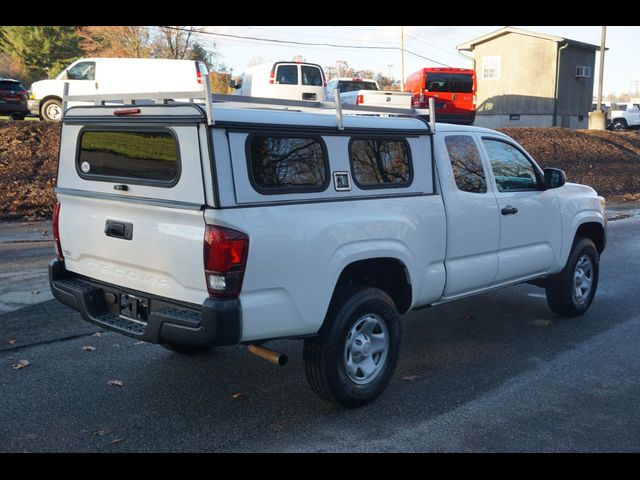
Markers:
<point>358,91</point>
<point>624,116</point>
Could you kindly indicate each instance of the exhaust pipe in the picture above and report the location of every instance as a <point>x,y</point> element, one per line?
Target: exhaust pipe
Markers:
<point>269,355</point>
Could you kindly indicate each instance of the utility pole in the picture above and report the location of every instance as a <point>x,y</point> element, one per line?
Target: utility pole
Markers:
<point>601,75</point>
<point>598,119</point>
<point>402,59</point>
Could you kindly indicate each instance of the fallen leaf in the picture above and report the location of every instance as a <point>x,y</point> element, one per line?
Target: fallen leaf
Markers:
<point>115,440</point>
<point>115,383</point>
<point>12,341</point>
<point>100,433</point>
<point>466,316</point>
<point>21,364</point>
<point>411,378</point>
<point>88,348</point>
<point>97,334</point>
<point>238,395</point>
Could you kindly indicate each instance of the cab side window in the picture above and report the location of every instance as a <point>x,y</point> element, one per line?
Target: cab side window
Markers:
<point>82,71</point>
<point>511,169</point>
<point>466,163</point>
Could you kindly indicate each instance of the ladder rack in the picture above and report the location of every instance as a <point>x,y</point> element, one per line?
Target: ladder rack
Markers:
<point>210,100</point>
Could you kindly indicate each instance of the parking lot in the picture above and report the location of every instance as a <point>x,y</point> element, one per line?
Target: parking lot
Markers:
<point>496,372</point>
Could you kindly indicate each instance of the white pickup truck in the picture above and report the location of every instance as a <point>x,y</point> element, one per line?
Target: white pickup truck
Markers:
<point>357,91</point>
<point>624,116</point>
<point>195,227</point>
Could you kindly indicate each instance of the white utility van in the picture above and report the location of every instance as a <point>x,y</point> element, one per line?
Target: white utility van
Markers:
<point>287,80</point>
<point>90,76</point>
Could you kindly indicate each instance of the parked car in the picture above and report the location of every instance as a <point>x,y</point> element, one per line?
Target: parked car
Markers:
<point>194,230</point>
<point>90,76</point>
<point>13,99</point>
<point>624,116</point>
<point>285,80</point>
<point>358,91</point>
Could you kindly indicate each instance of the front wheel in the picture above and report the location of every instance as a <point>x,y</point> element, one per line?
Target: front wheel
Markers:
<point>571,291</point>
<point>51,110</point>
<point>353,359</point>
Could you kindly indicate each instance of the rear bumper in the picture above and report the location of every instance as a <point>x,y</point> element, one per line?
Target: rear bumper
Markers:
<point>214,323</point>
<point>459,119</point>
<point>13,108</point>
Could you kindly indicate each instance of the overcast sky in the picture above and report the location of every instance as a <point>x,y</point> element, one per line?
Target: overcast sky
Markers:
<point>438,44</point>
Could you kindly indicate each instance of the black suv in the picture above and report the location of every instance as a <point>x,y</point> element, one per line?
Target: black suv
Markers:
<point>13,99</point>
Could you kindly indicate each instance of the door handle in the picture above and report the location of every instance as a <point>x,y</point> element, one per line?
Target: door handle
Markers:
<point>509,210</point>
<point>121,230</point>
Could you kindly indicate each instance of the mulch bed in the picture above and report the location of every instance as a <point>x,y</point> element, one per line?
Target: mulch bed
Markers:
<point>607,161</point>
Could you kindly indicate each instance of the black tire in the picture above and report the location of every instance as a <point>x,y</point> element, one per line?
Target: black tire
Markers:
<point>326,356</point>
<point>48,108</point>
<point>562,293</point>
<point>619,125</point>
<point>185,349</point>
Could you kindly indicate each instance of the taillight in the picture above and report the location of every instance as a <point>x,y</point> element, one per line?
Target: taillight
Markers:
<point>56,231</point>
<point>198,73</point>
<point>272,77</point>
<point>360,99</point>
<point>225,259</point>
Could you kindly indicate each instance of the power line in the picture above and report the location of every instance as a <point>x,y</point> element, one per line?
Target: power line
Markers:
<point>292,42</point>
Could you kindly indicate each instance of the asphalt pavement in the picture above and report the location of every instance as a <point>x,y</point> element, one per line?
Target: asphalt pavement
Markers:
<point>492,373</point>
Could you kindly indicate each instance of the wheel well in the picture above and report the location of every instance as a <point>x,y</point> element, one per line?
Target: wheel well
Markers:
<point>595,232</point>
<point>387,274</point>
<point>49,97</point>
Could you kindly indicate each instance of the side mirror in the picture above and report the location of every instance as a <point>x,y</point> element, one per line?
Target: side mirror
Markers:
<point>65,75</point>
<point>554,178</point>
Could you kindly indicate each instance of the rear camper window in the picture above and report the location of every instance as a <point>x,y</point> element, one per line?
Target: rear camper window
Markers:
<point>146,157</point>
<point>286,165</point>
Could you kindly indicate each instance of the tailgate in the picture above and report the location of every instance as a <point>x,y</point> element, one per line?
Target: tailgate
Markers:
<point>386,98</point>
<point>132,194</point>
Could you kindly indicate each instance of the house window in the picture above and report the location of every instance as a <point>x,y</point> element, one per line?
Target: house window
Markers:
<point>491,68</point>
<point>583,72</point>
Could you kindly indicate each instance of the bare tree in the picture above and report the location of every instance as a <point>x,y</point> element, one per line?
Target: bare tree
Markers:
<point>176,41</point>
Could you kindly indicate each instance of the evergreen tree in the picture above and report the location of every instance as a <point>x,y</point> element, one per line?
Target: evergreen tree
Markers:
<point>43,51</point>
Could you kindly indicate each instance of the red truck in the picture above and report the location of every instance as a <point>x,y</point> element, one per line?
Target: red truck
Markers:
<point>453,89</point>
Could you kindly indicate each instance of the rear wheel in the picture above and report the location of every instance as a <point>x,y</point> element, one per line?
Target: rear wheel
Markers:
<point>51,110</point>
<point>353,359</point>
<point>571,291</point>
<point>619,125</point>
<point>185,349</point>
